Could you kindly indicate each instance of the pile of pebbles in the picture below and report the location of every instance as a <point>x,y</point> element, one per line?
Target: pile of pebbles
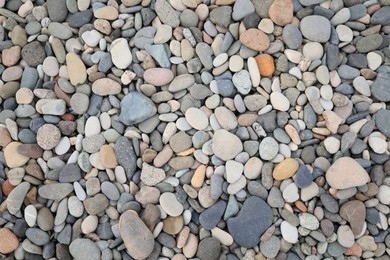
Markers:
<point>194,129</point>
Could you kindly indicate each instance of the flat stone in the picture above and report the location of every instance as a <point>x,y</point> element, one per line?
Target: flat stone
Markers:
<point>136,236</point>
<point>12,157</point>
<point>346,173</point>
<point>83,248</point>
<point>226,145</point>
<point>268,148</point>
<point>170,204</point>
<point>105,87</point>
<point>130,112</point>
<point>253,219</point>
<point>120,53</point>
<point>281,12</point>
<point>196,118</point>
<point>151,176</point>
<point>255,39</point>
<point>211,216</point>
<point>16,197</point>
<point>158,76</point>
<point>209,248</point>
<point>315,28</point>
<point>355,213</point>
<point>76,69</point>
<point>289,232</point>
<point>55,191</point>
<point>8,241</point>
<point>379,89</point>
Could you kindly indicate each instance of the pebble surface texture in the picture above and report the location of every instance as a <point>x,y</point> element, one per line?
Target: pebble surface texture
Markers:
<point>194,129</point>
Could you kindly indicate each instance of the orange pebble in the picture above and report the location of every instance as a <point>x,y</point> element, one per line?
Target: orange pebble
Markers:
<point>299,204</point>
<point>266,65</point>
<point>68,117</point>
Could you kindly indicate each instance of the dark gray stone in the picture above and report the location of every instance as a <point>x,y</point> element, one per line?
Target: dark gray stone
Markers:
<point>303,177</point>
<point>211,216</point>
<point>380,89</point>
<point>126,156</point>
<point>253,219</point>
<point>209,249</point>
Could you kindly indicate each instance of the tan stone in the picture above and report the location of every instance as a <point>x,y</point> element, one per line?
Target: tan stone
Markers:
<point>76,69</point>
<point>173,225</point>
<point>5,137</point>
<point>105,87</point>
<point>198,177</point>
<point>281,12</point>
<point>11,56</point>
<point>346,173</point>
<point>12,157</point>
<point>107,156</point>
<point>285,169</point>
<point>106,12</point>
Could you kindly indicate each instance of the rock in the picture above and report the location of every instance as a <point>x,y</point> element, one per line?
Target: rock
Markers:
<point>167,14</point>
<point>255,39</point>
<point>55,191</point>
<point>270,248</point>
<point>57,10</point>
<point>279,101</point>
<point>130,112</point>
<point>345,236</point>
<point>48,136</point>
<point>221,16</point>
<point>120,53</point>
<point>126,156</point>
<point>170,204</point>
<point>289,232</point>
<point>355,213</point>
<point>281,12</point>
<point>211,216</point>
<point>265,64</point>
<point>379,89</point>
<point>107,157</point>
<point>16,197</point>
<point>292,36</point>
<point>158,76</point>
<point>196,118</point>
<point>315,28</point>
<point>33,54</point>
<point>76,69</point>
<point>241,9</point>
<point>253,219</point>
<point>383,194</point>
<point>303,177</point>
<point>136,236</point>
<point>12,157</point>
<point>308,221</point>
<point>346,173</point>
<point>8,241</point>
<point>268,148</point>
<point>105,87</point>
<point>37,236</point>
<point>83,248</point>
<point>226,145</point>
<point>209,248</point>
<point>381,16</point>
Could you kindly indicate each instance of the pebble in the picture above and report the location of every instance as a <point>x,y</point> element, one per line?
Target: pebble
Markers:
<point>84,248</point>
<point>130,114</point>
<point>9,242</point>
<point>120,53</point>
<point>251,222</point>
<point>255,39</point>
<point>353,174</point>
<point>315,28</point>
<point>170,204</point>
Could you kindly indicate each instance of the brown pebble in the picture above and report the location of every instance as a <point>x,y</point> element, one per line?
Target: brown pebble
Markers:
<point>5,137</point>
<point>182,237</point>
<point>30,150</point>
<point>151,216</point>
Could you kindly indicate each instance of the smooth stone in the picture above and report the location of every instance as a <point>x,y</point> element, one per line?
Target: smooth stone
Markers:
<point>355,213</point>
<point>379,89</point>
<point>130,112</point>
<point>196,118</point>
<point>170,204</point>
<point>268,148</point>
<point>105,87</point>
<point>251,222</point>
<point>346,173</point>
<point>211,216</point>
<point>158,76</point>
<point>55,191</point>
<point>315,28</point>
<point>120,53</point>
<point>16,197</point>
<point>255,39</point>
<point>136,236</point>
<point>77,71</point>
<point>225,145</point>
<point>289,232</point>
<point>8,241</point>
<point>83,248</point>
